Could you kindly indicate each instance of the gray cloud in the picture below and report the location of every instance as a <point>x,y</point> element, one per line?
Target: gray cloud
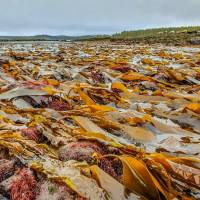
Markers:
<point>77,17</point>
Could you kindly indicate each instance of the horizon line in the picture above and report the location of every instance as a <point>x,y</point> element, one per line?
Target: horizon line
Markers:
<point>99,34</point>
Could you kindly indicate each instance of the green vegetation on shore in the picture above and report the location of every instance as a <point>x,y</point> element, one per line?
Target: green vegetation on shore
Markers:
<point>155,31</point>
<point>173,35</point>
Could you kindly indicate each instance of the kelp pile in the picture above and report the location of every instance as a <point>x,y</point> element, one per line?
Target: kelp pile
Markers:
<point>99,121</point>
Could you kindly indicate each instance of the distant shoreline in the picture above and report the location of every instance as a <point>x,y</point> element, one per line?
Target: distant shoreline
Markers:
<point>169,36</point>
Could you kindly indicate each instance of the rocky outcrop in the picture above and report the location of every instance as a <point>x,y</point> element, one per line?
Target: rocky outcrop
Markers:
<point>195,41</point>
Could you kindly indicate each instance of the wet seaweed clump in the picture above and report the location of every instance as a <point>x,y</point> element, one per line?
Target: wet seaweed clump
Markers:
<point>23,186</point>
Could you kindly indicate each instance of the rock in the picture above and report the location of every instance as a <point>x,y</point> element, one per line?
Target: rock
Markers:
<point>2,197</point>
<point>195,41</point>
<point>3,62</point>
<point>53,191</point>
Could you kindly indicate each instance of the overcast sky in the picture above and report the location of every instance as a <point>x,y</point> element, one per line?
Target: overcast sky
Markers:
<point>78,17</point>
